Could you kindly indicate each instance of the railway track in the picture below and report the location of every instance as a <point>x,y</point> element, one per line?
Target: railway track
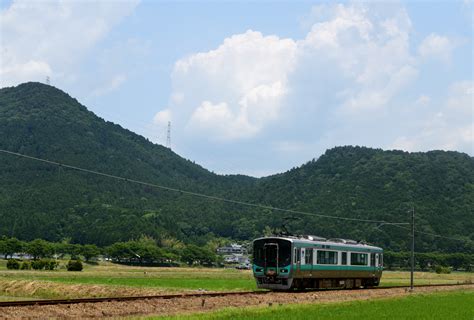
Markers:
<point>183,295</point>
<point>130,298</point>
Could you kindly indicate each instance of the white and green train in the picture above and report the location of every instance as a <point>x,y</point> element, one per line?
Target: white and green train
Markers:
<point>290,262</point>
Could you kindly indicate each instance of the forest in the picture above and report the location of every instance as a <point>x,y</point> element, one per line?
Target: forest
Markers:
<point>55,203</point>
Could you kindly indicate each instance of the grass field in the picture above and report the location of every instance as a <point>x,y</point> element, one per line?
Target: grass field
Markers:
<point>457,305</point>
<point>108,276</point>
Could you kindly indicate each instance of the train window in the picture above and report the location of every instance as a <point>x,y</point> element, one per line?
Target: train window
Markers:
<point>327,257</point>
<point>257,255</point>
<point>308,257</point>
<point>298,255</point>
<point>381,260</point>
<point>261,252</point>
<point>359,259</point>
<point>344,258</point>
<point>294,256</point>
<point>372,259</point>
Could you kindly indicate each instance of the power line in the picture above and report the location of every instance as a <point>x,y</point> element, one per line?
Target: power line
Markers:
<point>428,233</point>
<point>254,205</point>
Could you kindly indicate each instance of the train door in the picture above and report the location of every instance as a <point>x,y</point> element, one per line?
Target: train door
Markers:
<point>270,255</point>
<point>299,256</point>
<point>372,264</point>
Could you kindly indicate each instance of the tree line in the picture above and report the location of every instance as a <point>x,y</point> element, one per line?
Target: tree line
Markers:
<point>142,251</point>
<point>431,261</point>
<point>172,252</point>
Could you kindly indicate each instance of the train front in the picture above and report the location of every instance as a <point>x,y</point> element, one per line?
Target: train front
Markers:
<point>272,263</point>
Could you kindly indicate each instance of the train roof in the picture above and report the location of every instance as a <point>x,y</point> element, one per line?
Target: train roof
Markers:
<point>337,242</point>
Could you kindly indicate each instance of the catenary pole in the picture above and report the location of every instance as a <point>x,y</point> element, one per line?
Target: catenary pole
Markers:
<point>412,246</point>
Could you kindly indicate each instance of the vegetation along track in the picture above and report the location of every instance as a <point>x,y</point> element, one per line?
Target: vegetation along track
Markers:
<point>178,296</point>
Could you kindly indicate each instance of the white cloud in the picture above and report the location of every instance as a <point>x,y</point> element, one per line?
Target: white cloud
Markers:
<point>423,100</point>
<point>369,50</point>
<point>246,75</point>
<point>219,120</point>
<point>448,127</point>
<point>436,47</point>
<point>113,84</point>
<point>163,117</point>
<point>461,98</point>
<point>48,38</point>
<point>355,60</point>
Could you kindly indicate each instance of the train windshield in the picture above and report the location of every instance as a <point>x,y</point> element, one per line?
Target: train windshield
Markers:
<point>267,251</point>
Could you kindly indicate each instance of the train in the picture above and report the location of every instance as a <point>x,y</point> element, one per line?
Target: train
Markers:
<point>290,262</point>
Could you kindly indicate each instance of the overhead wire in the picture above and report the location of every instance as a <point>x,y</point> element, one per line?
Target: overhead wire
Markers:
<point>429,233</point>
<point>216,198</point>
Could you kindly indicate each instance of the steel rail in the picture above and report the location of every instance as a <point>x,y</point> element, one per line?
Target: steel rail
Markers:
<point>191,295</point>
<point>126,298</point>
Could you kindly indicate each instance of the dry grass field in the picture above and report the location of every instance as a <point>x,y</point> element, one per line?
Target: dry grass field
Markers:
<point>107,279</point>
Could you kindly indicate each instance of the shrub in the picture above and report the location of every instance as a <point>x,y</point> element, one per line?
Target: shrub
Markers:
<point>13,264</point>
<point>38,264</point>
<point>26,265</point>
<point>74,265</point>
<point>51,265</point>
<point>441,269</point>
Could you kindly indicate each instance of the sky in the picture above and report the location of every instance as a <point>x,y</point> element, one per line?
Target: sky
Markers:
<point>256,88</point>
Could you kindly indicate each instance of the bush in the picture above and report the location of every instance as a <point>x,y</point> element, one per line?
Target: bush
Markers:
<point>51,265</point>
<point>441,269</point>
<point>74,265</point>
<point>38,264</point>
<point>13,264</point>
<point>26,265</point>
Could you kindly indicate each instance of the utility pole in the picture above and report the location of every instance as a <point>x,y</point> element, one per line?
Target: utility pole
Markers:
<point>412,246</point>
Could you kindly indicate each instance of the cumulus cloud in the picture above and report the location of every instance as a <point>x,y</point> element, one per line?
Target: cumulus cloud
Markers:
<point>48,38</point>
<point>353,78</point>
<point>353,60</point>
<point>163,117</point>
<point>234,91</point>
<point>449,126</point>
<point>436,47</point>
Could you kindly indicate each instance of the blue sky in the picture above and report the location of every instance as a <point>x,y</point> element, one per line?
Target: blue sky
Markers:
<point>256,87</point>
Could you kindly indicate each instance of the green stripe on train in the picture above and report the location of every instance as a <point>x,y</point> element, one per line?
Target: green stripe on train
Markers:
<point>329,267</point>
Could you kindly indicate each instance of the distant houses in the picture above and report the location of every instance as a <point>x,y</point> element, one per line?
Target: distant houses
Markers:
<point>234,248</point>
<point>234,253</point>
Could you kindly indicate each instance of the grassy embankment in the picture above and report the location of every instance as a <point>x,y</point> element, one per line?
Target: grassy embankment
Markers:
<point>457,305</point>
<point>108,279</point>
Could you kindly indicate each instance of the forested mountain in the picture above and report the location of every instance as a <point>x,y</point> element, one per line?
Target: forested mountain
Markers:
<point>40,200</point>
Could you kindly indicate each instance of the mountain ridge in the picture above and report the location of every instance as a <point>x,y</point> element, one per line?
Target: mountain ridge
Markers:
<point>37,200</point>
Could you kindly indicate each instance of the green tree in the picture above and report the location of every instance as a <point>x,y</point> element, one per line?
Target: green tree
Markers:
<point>39,248</point>
<point>10,246</point>
<point>90,251</point>
<point>193,254</point>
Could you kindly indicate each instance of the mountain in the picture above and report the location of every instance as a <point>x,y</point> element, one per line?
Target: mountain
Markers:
<point>383,185</point>
<point>40,200</point>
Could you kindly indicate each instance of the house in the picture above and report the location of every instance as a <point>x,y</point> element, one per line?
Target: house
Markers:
<point>234,248</point>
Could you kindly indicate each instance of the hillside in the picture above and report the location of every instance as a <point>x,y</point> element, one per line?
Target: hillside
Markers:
<point>38,200</point>
<point>375,184</point>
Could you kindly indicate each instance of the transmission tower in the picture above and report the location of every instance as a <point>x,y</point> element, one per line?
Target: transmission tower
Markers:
<point>168,136</point>
<point>48,80</point>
